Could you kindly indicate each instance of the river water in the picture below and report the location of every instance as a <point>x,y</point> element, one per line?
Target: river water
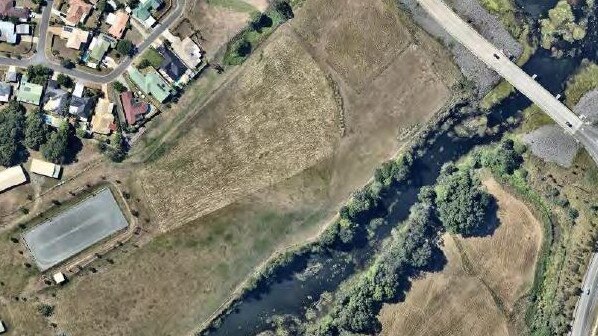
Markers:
<point>316,273</point>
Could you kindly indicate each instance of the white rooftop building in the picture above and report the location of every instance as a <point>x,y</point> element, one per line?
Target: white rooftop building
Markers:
<point>59,278</point>
<point>45,168</point>
<point>12,177</point>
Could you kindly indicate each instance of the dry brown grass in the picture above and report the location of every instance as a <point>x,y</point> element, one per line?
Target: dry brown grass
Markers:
<point>215,24</point>
<point>477,291</point>
<point>266,150</point>
<point>275,120</point>
<point>370,39</point>
<point>451,302</point>
<point>506,260</point>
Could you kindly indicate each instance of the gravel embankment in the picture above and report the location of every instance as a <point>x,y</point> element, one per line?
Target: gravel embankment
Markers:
<point>552,144</point>
<point>487,24</point>
<point>588,106</point>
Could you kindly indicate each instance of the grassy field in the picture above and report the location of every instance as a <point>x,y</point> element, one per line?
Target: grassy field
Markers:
<point>478,290</point>
<point>585,80</point>
<point>451,302</point>
<point>235,5</point>
<point>276,118</point>
<point>261,165</point>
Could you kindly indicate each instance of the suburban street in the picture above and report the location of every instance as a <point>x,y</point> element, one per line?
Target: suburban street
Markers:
<point>40,56</point>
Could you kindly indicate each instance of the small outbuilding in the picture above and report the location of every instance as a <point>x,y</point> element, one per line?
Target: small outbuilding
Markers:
<point>59,278</point>
<point>12,177</point>
<point>2,327</point>
<point>45,168</point>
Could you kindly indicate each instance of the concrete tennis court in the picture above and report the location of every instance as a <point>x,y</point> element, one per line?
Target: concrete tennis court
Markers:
<point>75,229</point>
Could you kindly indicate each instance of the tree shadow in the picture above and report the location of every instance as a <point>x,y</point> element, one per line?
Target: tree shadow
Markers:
<point>75,146</point>
<point>491,222</point>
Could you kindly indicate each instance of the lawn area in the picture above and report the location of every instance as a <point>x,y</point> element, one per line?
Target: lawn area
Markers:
<point>497,94</point>
<point>585,80</point>
<point>235,5</point>
<point>534,118</point>
<point>153,57</point>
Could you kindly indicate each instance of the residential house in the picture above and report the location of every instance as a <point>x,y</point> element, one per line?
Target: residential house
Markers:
<point>118,23</point>
<point>78,90</point>
<point>29,93</point>
<point>103,119</point>
<point>81,107</point>
<point>172,68</point>
<point>8,32</point>
<point>12,177</point>
<point>188,51</point>
<point>5,92</point>
<point>8,9</point>
<point>23,29</point>
<point>77,12</point>
<point>143,11</point>
<point>74,37</point>
<point>55,99</point>
<point>134,109</point>
<point>152,83</point>
<point>99,46</point>
<point>11,74</point>
<point>45,168</point>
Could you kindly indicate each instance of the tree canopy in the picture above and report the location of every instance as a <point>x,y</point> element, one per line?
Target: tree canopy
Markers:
<point>12,121</point>
<point>56,149</point>
<point>36,130</point>
<point>460,200</point>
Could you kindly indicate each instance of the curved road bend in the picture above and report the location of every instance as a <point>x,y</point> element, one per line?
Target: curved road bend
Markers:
<point>40,55</point>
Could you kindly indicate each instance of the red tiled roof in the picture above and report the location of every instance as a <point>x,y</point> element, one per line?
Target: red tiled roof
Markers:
<point>77,9</point>
<point>120,24</point>
<point>133,108</point>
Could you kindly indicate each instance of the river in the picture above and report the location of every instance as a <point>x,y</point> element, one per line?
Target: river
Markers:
<point>303,283</point>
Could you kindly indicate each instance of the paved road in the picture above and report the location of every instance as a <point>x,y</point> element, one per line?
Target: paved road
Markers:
<point>496,60</point>
<point>587,135</point>
<point>586,307</point>
<point>40,56</point>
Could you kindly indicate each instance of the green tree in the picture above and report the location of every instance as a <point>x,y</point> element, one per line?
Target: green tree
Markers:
<point>36,130</point>
<point>65,81</point>
<point>119,87</point>
<point>284,9</point>
<point>460,200</point>
<point>56,148</point>
<point>38,74</point>
<point>12,121</point>
<point>125,47</point>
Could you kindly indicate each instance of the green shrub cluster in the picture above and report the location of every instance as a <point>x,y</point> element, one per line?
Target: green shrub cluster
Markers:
<point>260,27</point>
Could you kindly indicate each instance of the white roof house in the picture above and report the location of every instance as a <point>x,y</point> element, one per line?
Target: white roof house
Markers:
<point>2,327</point>
<point>78,91</point>
<point>11,74</point>
<point>59,278</point>
<point>12,177</point>
<point>45,168</point>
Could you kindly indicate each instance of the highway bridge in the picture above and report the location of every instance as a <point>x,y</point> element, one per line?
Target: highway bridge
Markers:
<point>585,134</point>
<point>496,60</point>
